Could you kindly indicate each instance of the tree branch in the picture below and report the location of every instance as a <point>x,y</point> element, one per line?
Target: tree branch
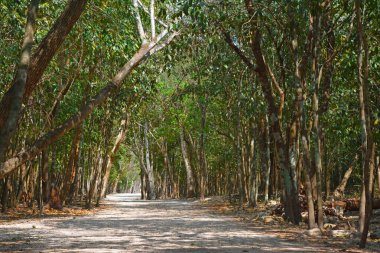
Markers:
<point>18,89</point>
<point>140,27</point>
<point>237,50</point>
<point>152,19</point>
<point>145,9</point>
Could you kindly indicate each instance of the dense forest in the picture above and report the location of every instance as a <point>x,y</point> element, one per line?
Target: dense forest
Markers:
<point>253,99</point>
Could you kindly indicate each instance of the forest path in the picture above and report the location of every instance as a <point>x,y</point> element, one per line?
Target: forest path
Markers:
<point>132,225</point>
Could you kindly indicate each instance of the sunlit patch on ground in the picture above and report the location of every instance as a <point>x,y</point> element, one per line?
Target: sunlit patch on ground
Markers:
<point>132,225</point>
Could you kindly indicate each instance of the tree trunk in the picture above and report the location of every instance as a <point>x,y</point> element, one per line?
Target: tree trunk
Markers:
<point>338,192</point>
<point>306,159</point>
<point>292,210</point>
<point>252,179</point>
<point>21,183</point>
<point>328,26</point>
<point>94,180</point>
<point>149,169</point>
<point>317,154</point>
<point>365,118</point>
<point>169,169</point>
<point>378,175</point>
<point>119,139</point>
<point>266,149</point>
<point>45,176</point>
<point>10,116</point>
<point>40,192</point>
<point>72,165</point>
<point>142,179</point>
<point>32,179</point>
<point>202,156</point>
<point>239,151</point>
<point>5,195</point>
<point>190,188</point>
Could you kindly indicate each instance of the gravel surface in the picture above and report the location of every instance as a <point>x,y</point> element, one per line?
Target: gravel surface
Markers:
<point>133,225</point>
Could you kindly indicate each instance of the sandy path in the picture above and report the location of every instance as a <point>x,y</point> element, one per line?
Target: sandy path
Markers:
<point>131,225</point>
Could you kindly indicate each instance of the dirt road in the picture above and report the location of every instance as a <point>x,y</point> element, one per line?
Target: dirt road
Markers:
<point>132,225</point>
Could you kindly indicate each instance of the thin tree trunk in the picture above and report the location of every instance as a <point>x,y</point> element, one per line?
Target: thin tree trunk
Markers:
<point>45,176</point>
<point>252,179</point>
<point>110,157</point>
<point>21,184</point>
<point>72,165</point>
<point>169,169</point>
<point>149,167</point>
<point>292,147</point>
<point>202,155</point>
<point>378,175</point>
<point>40,192</point>
<point>266,138</point>
<point>325,92</point>
<point>32,179</point>
<point>306,158</point>
<point>190,184</point>
<point>4,197</point>
<point>365,118</point>
<point>265,163</point>
<point>74,187</point>
<point>94,179</point>
<point>338,192</point>
<point>142,184</point>
<point>317,153</point>
<point>239,151</point>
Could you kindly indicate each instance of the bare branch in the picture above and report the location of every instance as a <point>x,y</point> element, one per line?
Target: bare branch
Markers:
<point>278,88</point>
<point>163,44</point>
<point>237,50</point>
<point>140,27</point>
<point>152,19</point>
<point>145,9</point>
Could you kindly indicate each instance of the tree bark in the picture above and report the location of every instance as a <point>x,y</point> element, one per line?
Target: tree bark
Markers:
<point>72,165</point>
<point>169,169</point>
<point>315,22</point>
<point>10,117</point>
<point>253,176</point>
<point>151,194</point>
<point>45,176</point>
<point>111,155</point>
<point>239,151</point>
<point>378,175</point>
<point>202,155</point>
<point>338,192</point>
<point>365,118</point>
<point>266,138</point>
<point>263,140</point>
<point>5,195</point>
<point>94,179</point>
<point>190,188</point>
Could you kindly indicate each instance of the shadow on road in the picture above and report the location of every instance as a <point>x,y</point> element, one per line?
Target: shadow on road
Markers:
<point>133,225</point>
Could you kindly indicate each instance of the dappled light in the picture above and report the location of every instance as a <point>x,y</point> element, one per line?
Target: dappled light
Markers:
<point>149,226</point>
<point>190,125</point>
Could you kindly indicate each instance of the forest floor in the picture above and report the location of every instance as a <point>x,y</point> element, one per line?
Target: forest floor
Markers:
<point>127,224</point>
